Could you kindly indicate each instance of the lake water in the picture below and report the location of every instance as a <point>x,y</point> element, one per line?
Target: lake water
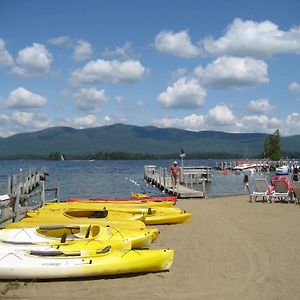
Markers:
<point>115,178</point>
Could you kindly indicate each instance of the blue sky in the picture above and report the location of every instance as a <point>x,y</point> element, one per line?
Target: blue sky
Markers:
<point>230,66</point>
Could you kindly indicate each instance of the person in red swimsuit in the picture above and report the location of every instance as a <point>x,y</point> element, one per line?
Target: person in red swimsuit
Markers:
<point>175,172</point>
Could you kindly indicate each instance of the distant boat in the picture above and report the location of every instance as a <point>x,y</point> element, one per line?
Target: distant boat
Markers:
<point>62,157</point>
<point>244,166</point>
<point>283,170</point>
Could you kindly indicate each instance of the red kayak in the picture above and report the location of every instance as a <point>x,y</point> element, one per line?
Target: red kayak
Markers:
<point>129,200</point>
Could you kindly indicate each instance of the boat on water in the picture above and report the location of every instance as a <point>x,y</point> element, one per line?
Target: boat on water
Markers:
<point>43,264</point>
<point>244,166</point>
<point>249,165</point>
<point>282,170</point>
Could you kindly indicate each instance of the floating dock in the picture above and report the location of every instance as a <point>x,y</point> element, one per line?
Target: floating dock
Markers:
<point>190,179</point>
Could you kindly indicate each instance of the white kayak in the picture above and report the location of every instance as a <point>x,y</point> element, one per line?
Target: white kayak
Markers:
<point>43,264</point>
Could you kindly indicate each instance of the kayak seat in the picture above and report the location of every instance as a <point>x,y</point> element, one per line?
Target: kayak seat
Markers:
<point>99,214</point>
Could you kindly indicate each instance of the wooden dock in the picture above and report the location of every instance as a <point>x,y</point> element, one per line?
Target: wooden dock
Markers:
<point>22,189</point>
<point>190,179</point>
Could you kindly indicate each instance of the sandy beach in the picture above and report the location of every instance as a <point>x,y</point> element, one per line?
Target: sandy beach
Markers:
<point>231,249</point>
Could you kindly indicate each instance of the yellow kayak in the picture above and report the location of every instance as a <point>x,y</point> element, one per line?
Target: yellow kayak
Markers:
<point>152,215</point>
<point>139,195</point>
<point>62,244</point>
<point>86,233</point>
<point>74,217</point>
<point>88,212</point>
<point>168,215</point>
<point>36,264</point>
<point>136,210</point>
<point>108,204</point>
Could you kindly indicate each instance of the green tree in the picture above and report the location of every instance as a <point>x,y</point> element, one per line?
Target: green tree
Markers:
<point>54,156</point>
<point>272,146</point>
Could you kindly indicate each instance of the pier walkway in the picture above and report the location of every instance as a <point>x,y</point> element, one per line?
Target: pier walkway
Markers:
<point>192,179</point>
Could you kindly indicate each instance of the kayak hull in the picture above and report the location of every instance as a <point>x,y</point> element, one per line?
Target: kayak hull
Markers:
<point>56,264</point>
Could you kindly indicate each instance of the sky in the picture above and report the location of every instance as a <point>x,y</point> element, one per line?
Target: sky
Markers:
<point>231,66</point>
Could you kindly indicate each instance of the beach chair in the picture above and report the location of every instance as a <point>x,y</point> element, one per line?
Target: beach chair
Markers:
<point>281,192</point>
<point>296,190</point>
<point>261,189</point>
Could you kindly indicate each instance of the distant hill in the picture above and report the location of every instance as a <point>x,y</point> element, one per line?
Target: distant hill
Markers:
<point>135,139</point>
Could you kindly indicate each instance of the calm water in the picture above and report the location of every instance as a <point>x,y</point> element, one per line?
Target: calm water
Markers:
<point>115,178</point>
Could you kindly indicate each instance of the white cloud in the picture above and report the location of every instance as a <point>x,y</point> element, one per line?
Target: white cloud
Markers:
<point>113,71</point>
<point>192,122</point>
<point>140,103</point>
<point>184,93</point>
<point>90,99</point>
<point>261,123</point>
<point>5,57</point>
<point>119,99</point>
<point>233,72</point>
<point>255,39</point>
<point>20,121</point>
<point>87,121</point>
<point>293,123</point>
<point>21,98</point>
<point>123,51</point>
<point>177,44</point>
<point>30,120</point>
<point>61,41</point>
<point>221,115</point>
<point>294,87</point>
<point>82,51</point>
<point>177,74</point>
<point>260,106</point>
<point>33,61</point>
<point>107,119</point>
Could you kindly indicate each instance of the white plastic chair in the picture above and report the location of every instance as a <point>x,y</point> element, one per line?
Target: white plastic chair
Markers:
<point>261,189</point>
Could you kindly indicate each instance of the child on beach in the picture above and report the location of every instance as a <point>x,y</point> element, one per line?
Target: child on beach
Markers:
<point>246,183</point>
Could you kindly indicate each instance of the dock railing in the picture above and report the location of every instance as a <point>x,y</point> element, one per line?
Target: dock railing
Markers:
<point>192,180</point>
<point>25,192</point>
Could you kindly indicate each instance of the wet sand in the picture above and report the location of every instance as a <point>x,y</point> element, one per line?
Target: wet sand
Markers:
<point>231,249</point>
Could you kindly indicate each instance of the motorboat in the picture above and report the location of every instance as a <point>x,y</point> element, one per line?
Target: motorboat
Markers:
<point>282,170</point>
<point>244,166</point>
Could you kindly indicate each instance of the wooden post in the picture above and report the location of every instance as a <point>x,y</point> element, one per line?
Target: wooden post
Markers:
<point>43,192</point>
<point>16,209</point>
<point>9,185</point>
<point>57,193</point>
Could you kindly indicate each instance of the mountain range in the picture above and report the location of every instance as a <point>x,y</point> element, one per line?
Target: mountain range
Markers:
<point>136,139</point>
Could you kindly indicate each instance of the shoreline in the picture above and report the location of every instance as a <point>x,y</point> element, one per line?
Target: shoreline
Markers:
<point>231,249</point>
